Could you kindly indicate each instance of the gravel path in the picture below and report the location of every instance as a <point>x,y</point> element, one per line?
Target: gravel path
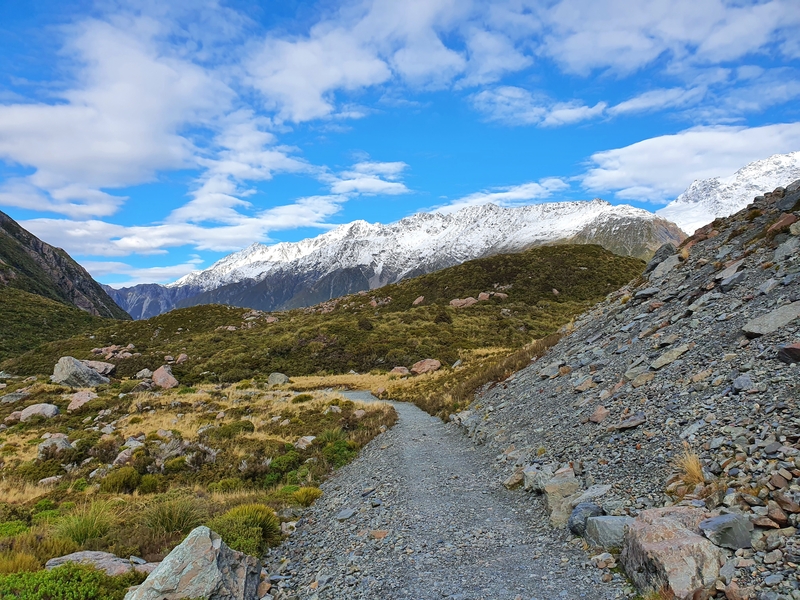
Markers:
<point>437,525</point>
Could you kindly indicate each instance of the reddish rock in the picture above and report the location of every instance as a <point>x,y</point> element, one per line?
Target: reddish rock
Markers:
<point>483,296</point>
<point>734,592</point>
<point>103,368</point>
<point>78,399</point>
<point>463,303</point>
<point>662,549</point>
<point>776,513</point>
<point>399,371</point>
<point>777,481</point>
<point>164,379</point>
<point>418,301</point>
<point>599,415</point>
<point>785,220</point>
<point>790,353</point>
<point>500,295</point>
<point>427,365</point>
<point>785,502</point>
<point>765,522</point>
<point>182,358</point>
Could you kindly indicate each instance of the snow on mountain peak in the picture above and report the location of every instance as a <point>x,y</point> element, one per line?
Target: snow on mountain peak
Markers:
<point>707,199</point>
<point>401,247</point>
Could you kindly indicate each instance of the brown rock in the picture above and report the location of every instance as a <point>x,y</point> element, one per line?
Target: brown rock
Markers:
<point>399,371</point>
<point>103,368</point>
<point>587,384</point>
<point>515,480</point>
<point>776,513</point>
<point>418,301</point>
<point>500,295</point>
<point>765,522</point>
<point>483,296</point>
<point>642,379</point>
<point>164,379</point>
<point>463,303</point>
<point>785,502</point>
<point>662,550</point>
<point>599,415</point>
<point>734,592</point>
<point>378,534</point>
<point>558,491</point>
<point>785,220</point>
<point>790,353</point>
<point>778,481</point>
<point>78,399</point>
<point>427,365</point>
<point>630,422</point>
<point>182,358</point>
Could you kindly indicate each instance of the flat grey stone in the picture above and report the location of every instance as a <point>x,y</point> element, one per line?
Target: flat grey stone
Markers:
<point>345,514</point>
<point>606,531</point>
<point>772,321</point>
<point>729,531</point>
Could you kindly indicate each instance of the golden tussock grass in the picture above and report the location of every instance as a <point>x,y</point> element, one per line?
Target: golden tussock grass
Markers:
<point>689,466</point>
<point>18,492</point>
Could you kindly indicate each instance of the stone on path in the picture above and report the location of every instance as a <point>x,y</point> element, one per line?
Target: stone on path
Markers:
<point>558,491</point>
<point>345,514</point>
<point>663,549</point>
<point>202,566</point>
<point>164,378</point>
<point>71,372</point>
<point>599,415</point>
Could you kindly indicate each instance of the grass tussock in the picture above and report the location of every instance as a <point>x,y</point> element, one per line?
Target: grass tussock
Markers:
<point>306,496</point>
<point>88,522</point>
<point>689,466</point>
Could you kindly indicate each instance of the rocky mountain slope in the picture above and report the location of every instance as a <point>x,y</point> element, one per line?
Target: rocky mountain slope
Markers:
<point>679,390</point>
<point>708,199</point>
<point>362,256</point>
<point>29,264</point>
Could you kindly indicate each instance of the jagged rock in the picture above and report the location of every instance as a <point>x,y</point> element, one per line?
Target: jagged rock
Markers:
<point>58,444</point>
<point>594,492</point>
<point>727,284</point>
<point>662,549</point>
<point>78,399</point>
<point>344,514</point>
<point>606,531</point>
<point>535,479</point>
<point>663,269</point>
<point>124,457</point>
<point>164,378</point>
<point>729,271</point>
<point>514,480</point>
<point>772,321</point>
<point>144,374</point>
<point>463,302</point>
<point>104,368</point>
<point>663,253</point>
<point>182,358</point>
<point>426,365</point>
<point>277,379</point>
<point>580,514</point>
<point>631,422</point>
<point>558,491</point>
<point>202,566</point>
<point>729,531</point>
<point>599,415</point>
<point>14,397</point>
<point>71,372</point>
<point>647,293</point>
<point>787,249</point>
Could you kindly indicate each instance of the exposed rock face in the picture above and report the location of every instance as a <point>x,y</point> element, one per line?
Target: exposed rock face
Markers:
<point>72,372</point>
<point>30,264</point>
<point>164,378</point>
<point>202,566</point>
<point>662,549</point>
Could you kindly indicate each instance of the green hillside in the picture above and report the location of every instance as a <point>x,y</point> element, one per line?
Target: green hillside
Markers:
<point>28,320</point>
<point>350,333</point>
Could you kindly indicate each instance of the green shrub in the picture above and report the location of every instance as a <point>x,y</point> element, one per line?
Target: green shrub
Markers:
<point>121,481</point>
<point>43,546</point>
<point>329,436</point>
<point>231,430</point>
<point>306,496</point>
<point>14,562</point>
<point>175,465</point>
<point>179,515</point>
<point>88,522</point>
<point>187,390</point>
<point>151,484</point>
<point>68,582</point>
<point>12,528</point>
<point>250,528</point>
<point>44,504</point>
<point>300,398</point>
<point>224,486</point>
<point>79,485</point>
<point>285,462</point>
<point>339,453</point>
<point>45,516</point>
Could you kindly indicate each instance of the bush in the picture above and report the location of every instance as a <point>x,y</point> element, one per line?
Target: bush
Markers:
<point>300,398</point>
<point>249,528</point>
<point>231,430</point>
<point>68,582</point>
<point>88,522</point>
<point>339,453</point>
<point>151,484</point>
<point>42,546</point>
<point>11,528</point>
<point>44,504</point>
<point>13,562</point>
<point>306,496</point>
<point>286,462</point>
<point>45,516</point>
<point>329,436</point>
<point>175,465</point>
<point>121,481</point>
<point>224,486</point>
<point>179,515</point>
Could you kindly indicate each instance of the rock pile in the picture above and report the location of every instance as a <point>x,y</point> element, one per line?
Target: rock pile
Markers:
<point>696,360</point>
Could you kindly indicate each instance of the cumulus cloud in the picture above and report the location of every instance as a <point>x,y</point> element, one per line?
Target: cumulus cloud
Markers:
<point>135,275</point>
<point>514,195</point>
<point>517,106</point>
<point>660,168</point>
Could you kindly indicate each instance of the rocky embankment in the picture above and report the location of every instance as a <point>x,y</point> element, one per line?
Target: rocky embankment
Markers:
<point>697,360</point>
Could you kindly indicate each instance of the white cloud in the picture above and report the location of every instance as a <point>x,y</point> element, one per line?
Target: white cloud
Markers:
<point>659,169</point>
<point>517,106</point>
<point>658,100</point>
<point>136,275</point>
<point>514,195</point>
<point>368,177</point>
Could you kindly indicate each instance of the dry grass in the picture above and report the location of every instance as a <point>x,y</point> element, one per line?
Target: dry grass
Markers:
<point>18,492</point>
<point>689,466</point>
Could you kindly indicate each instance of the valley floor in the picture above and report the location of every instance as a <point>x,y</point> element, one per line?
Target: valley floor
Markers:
<point>437,525</point>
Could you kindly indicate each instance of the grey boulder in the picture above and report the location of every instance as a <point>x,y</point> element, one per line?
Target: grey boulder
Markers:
<point>729,531</point>
<point>277,379</point>
<point>579,515</point>
<point>202,566</point>
<point>73,373</point>
<point>606,531</point>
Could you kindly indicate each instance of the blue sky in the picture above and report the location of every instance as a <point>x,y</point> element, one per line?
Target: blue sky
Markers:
<point>150,140</point>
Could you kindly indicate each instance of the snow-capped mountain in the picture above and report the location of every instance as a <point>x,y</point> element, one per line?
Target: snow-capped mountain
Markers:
<point>360,255</point>
<point>707,199</point>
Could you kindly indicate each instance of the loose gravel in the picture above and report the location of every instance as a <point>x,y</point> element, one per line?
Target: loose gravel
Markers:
<point>421,514</point>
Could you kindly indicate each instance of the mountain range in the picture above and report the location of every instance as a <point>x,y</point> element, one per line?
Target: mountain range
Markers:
<point>361,256</point>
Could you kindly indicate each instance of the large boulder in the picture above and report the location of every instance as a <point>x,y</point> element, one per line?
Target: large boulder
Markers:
<point>55,444</point>
<point>73,373</point>
<point>104,368</point>
<point>46,411</point>
<point>427,365</point>
<point>662,549</point>
<point>164,378</point>
<point>102,561</point>
<point>580,514</point>
<point>606,532</point>
<point>202,566</point>
<point>559,491</point>
<point>277,379</point>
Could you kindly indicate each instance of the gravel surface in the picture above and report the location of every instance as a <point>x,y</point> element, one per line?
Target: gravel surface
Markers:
<point>437,525</point>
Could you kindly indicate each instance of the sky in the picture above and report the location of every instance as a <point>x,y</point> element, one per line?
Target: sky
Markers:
<point>149,139</point>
